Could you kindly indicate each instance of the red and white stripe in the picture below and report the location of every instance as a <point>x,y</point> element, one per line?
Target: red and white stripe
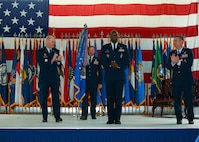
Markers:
<point>143,17</point>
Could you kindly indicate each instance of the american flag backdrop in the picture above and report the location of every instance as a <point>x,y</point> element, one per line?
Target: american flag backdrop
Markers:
<point>23,17</point>
<point>146,18</point>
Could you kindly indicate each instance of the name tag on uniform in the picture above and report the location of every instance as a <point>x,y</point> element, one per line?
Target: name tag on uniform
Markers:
<point>184,55</point>
<point>96,62</point>
<point>121,50</point>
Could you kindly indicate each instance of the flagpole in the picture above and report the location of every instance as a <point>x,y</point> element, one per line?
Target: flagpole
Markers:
<point>147,99</point>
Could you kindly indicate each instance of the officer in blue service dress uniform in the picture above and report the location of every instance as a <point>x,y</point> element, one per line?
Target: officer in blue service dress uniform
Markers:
<point>93,83</point>
<point>180,62</point>
<point>49,61</point>
<point>114,57</point>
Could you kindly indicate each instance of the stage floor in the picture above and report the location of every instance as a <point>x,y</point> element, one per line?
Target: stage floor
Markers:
<point>34,121</point>
<point>134,127</point>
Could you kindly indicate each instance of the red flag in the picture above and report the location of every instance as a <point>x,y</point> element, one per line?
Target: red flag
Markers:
<point>66,71</point>
<point>34,63</point>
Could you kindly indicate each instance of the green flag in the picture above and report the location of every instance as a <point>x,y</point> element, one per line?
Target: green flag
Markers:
<point>158,70</point>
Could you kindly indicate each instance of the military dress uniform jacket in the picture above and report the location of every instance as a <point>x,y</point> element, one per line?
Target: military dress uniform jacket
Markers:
<point>182,74</point>
<point>48,71</point>
<point>120,55</point>
<point>93,73</point>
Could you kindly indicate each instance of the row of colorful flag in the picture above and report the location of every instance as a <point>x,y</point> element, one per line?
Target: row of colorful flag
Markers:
<point>23,90</point>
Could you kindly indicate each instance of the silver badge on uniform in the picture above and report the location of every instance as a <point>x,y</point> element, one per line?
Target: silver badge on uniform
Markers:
<point>121,55</point>
<point>45,55</point>
<point>96,62</point>
<point>107,51</point>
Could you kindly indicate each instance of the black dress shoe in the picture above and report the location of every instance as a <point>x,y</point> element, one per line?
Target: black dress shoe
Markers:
<point>94,117</point>
<point>118,122</point>
<point>191,122</point>
<point>179,122</point>
<point>83,118</point>
<point>110,122</point>
<point>59,119</point>
<point>44,120</point>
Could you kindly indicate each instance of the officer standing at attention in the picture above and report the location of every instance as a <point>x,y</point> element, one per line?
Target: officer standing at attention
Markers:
<point>114,57</point>
<point>93,83</point>
<point>180,62</point>
<point>49,60</point>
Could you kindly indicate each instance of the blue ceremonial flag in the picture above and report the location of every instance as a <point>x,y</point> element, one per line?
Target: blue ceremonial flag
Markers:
<point>70,68</point>
<point>69,55</point>
<point>32,72</point>
<point>3,76</point>
<point>98,91</point>
<point>126,89</point>
<point>154,89</point>
<point>168,50</point>
<point>95,47</point>
<point>132,72</point>
<point>103,89</point>
<point>165,57</point>
<point>161,54</point>
<point>13,76</point>
<point>24,17</point>
<point>80,70</point>
<point>140,94</point>
<point>25,85</point>
<point>98,98</point>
